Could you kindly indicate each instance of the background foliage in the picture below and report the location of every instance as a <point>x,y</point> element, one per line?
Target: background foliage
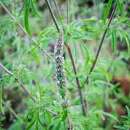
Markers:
<point>29,96</point>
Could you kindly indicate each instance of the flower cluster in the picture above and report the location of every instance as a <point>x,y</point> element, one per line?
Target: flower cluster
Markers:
<point>59,59</point>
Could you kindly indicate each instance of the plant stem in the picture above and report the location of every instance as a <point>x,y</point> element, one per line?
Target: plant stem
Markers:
<point>17,80</point>
<point>100,46</point>
<point>53,16</point>
<point>5,69</point>
<point>77,80</point>
<point>73,64</point>
<point>59,14</point>
<point>60,45</point>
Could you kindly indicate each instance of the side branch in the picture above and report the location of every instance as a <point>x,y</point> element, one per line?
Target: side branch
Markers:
<point>17,80</point>
<point>100,46</point>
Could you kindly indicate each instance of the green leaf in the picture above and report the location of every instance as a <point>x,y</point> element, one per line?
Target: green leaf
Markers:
<point>120,6</point>
<point>34,10</point>
<point>114,40</point>
<point>110,116</point>
<point>107,9</point>
<point>127,42</point>
<point>27,4</point>
<point>1,98</point>
<point>30,125</point>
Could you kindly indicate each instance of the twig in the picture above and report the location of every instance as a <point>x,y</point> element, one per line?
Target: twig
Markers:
<point>100,46</point>
<point>6,70</point>
<point>17,80</point>
<point>77,80</point>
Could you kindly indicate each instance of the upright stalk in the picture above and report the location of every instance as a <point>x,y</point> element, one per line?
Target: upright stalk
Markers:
<point>53,16</point>
<point>72,60</point>
<point>59,60</point>
<point>77,81</point>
